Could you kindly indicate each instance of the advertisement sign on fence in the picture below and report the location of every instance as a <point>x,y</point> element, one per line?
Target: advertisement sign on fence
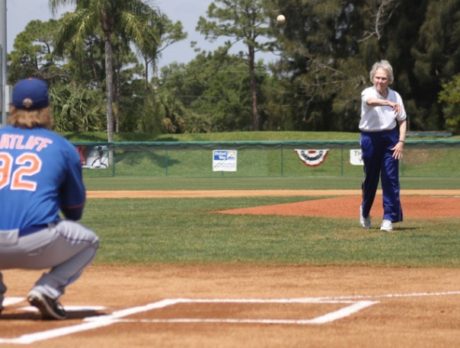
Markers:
<point>356,157</point>
<point>94,157</point>
<point>224,160</point>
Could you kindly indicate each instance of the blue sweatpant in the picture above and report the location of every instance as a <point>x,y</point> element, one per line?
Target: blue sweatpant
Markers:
<point>379,163</point>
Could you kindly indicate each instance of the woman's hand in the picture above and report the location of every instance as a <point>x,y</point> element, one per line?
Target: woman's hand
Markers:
<point>398,150</point>
<point>396,108</point>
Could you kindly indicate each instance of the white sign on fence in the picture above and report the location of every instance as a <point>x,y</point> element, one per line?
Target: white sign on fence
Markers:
<point>356,157</point>
<point>95,157</point>
<point>224,160</point>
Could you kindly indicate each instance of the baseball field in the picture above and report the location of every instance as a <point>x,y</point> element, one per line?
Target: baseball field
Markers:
<point>254,268</point>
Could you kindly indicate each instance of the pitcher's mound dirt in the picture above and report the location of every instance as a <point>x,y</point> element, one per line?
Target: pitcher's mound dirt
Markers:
<point>420,207</point>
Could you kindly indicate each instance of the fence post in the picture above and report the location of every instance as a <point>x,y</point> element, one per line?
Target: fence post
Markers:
<point>282,160</point>
<point>341,160</point>
<point>112,150</point>
<point>166,161</point>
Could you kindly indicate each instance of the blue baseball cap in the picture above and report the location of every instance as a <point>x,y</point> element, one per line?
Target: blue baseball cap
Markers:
<point>30,94</point>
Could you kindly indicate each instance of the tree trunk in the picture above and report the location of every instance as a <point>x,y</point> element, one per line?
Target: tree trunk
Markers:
<point>253,88</point>
<point>109,87</point>
<point>146,74</point>
<point>109,93</point>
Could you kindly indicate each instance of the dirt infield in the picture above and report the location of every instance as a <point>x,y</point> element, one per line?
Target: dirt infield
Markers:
<point>400,308</point>
<point>343,203</point>
<point>250,305</point>
<point>420,207</point>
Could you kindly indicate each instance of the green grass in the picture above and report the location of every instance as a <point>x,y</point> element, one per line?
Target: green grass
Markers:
<point>190,231</point>
<point>256,183</point>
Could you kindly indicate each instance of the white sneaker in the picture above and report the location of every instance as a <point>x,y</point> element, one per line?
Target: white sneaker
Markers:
<point>365,222</point>
<point>386,226</point>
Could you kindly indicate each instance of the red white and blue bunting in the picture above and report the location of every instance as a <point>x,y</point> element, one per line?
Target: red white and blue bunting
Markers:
<point>312,158</point>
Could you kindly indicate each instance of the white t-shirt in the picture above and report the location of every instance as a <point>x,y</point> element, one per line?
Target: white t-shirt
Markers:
<point>379,118</point>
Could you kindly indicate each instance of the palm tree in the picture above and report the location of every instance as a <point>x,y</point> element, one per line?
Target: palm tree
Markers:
<point>127,19</point>
<point>169,33</point>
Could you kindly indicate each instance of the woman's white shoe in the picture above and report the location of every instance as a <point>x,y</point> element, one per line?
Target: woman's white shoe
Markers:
<point>387,226</point>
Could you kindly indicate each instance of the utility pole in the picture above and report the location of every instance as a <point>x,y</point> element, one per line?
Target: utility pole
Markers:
<point>3,52</point>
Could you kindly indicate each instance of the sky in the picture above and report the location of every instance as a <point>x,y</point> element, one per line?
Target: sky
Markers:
<point>21,12</point>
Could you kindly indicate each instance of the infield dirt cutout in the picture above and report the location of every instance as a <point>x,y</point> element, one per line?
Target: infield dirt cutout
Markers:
<point>328,203</point>
<point>253,305</point>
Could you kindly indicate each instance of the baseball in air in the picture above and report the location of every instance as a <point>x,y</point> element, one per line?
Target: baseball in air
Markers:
<point>280,19</point>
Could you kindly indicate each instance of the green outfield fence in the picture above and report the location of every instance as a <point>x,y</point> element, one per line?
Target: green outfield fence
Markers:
<point>195,159</point>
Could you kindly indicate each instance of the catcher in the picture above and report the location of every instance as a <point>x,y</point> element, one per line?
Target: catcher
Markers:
<point>41,177</point>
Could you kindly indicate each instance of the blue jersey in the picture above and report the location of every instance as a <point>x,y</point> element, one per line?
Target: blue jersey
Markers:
<point>40,176</point>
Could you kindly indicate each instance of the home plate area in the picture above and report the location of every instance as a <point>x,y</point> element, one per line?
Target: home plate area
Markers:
<point>283,311</point>
<point>301,311</point>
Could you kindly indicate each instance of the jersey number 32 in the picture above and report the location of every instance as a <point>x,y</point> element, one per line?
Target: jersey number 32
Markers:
<point>17,173</point>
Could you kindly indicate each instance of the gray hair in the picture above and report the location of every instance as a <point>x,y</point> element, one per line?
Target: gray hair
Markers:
<point>385,65</point>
